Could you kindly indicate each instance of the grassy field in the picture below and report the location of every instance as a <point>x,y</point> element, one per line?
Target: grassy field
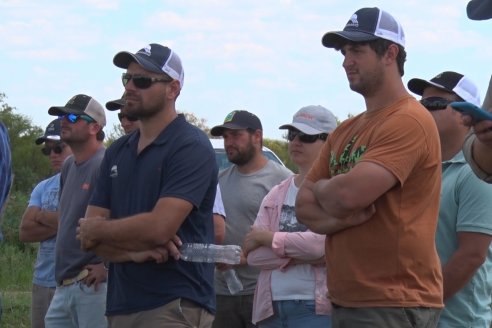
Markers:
<point>16,265</point>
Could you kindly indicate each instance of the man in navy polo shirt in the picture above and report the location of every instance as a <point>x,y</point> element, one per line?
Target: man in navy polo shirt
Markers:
<point>157,188</point>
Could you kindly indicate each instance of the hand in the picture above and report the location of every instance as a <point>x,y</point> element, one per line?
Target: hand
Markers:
<point>225,266</point>
<point>173,246</point>
<point>360,216</point>
<point>256,238</point>
<point>483,131</point>
<point>159,255</point>
<point>97,274</point>
<point>85,232</point>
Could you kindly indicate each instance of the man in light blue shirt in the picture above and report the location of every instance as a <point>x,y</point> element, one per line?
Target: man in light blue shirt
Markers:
<point>464,229</point>
<point>40,223</point>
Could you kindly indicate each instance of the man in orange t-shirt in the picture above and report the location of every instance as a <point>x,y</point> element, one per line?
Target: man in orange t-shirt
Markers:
<point>374,189</point>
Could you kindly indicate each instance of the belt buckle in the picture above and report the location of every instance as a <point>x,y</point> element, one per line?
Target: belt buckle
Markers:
<point>69,281</point>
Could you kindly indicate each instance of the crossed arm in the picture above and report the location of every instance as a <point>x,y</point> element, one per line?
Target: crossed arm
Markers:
<point>346,200</point>
<point>139,238</point>
<point>38,225</point>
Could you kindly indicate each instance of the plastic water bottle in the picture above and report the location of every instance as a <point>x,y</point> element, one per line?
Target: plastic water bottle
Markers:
<point>211,253</point>
<point>232,280</point>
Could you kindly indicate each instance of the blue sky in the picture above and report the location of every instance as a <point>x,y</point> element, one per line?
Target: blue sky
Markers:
<point>262,56</point>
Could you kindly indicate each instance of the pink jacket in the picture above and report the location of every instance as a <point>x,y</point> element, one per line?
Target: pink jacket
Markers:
<point>286,245</point>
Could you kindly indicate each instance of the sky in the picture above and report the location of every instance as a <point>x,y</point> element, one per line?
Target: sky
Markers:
<point>264,56</point>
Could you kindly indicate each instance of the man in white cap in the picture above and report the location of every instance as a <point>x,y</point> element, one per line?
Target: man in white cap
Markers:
<point>464,231</point>
<point>374,189</point>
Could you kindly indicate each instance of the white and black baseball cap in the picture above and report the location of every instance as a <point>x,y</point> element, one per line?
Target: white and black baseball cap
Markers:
<point>451,82</point>
<point>155,58</point>
<point>367,24</point>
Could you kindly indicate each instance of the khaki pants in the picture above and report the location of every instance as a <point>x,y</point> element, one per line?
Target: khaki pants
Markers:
<point>179,313</point>
<point>41,299</point>
<point>401,317</point>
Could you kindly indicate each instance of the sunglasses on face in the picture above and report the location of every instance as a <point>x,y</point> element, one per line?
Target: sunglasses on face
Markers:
<point>435,103</point>
<point>305,138</point>
<point>58,148</point>
<point>141,81</point>
<point>128,117</point>
<point>73,118</point>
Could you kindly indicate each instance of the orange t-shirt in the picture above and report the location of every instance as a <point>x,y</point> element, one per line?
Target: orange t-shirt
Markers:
<point>390,260</point>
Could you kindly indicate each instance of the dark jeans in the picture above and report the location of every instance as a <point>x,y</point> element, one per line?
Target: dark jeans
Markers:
<point>385,317</point>
<point>234,312</point>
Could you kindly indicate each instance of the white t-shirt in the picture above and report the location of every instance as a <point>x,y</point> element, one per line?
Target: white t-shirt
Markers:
<point>297,282</point>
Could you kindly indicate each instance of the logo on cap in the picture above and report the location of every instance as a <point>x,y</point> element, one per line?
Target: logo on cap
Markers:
<point>353,22</point>
<point>229,117</point>
<point>146,51</point>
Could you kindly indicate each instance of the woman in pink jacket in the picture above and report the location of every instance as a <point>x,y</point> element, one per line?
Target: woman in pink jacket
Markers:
<point>291,289</point>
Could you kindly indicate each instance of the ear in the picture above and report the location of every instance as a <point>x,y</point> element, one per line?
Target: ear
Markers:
<point>392,52</point>
<point>174,89</point>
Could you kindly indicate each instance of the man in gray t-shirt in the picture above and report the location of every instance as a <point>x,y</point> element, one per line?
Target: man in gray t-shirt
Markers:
<point>243,187</point>
<point>80,295</point>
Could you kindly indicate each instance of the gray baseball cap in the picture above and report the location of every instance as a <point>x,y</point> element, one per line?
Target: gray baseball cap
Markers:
<point>313,120</point>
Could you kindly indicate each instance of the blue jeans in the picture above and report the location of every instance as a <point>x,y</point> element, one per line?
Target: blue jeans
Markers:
<point>295,313</point>
<point>77,306</point>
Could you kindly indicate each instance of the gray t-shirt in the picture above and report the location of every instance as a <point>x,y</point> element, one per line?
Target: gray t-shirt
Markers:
<point>242,195</point>
<point>77,184</point>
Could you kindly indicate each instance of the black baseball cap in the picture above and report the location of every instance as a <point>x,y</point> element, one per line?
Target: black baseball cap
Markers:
<point>451,82</point>
<point>367,24</point>
<point>52,132</point>
<point>116,104</point>
<point>237,120</point>
<point>479,9</point>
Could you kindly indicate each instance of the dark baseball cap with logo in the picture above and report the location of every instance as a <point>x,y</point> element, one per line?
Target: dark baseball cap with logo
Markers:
<point>237,120</point>
<point>155,58</point>
<point>451,82</point>
<point>52,132</point>
<point>367,24</point>
<point>81,104</point>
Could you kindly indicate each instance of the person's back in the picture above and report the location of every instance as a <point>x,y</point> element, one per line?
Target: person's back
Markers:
<point>243,186</point>
<point>464,231</point>
<point>374,189</point>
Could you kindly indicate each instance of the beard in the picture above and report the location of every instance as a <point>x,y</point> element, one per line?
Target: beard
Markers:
<point>135,107</point>
<point>368,83</point>
<point>242,157</point>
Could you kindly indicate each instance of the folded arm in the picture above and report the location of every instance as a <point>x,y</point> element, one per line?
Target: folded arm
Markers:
<point>38,225</point>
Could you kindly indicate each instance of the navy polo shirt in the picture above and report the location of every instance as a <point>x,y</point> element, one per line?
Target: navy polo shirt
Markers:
<point>180,163</point>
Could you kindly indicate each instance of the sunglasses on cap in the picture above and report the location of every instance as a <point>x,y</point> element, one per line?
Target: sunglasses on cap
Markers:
<point>58,148</point>
<point>73,118</point>
<point>305,138</point>
<point>128,117</point>
<point>435,103</point>
<point>142,81</point>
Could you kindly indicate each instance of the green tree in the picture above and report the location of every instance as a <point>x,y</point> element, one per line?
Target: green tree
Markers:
<point>280,148</point>
<point>29,164</point>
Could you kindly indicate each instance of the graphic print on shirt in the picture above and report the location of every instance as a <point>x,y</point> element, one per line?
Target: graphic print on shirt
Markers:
<point>348,158</point>
<point>49,201</point>
<point>288,221</point>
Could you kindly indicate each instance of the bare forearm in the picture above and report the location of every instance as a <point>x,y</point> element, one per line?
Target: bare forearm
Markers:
<point>332,197</point>
<point>457,273</point>
<point>482,154</point>
<point>112,254</point>
<point>36,226</point>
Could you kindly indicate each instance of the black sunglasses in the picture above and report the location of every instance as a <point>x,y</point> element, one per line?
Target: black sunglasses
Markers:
<point>305,138</point>
<point>435,103</point>
<point>73,118</point>
<point>141,81</point>
<point>128,117</point>
<point>58,148</point>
